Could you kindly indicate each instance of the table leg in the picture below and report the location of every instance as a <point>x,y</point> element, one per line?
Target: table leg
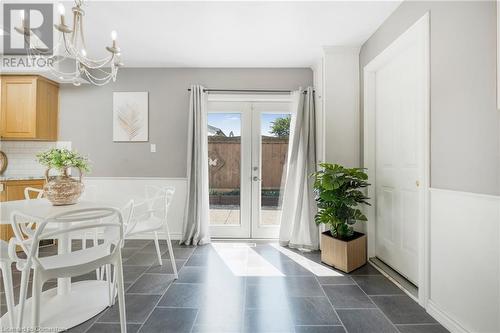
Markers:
<point>63,247</point>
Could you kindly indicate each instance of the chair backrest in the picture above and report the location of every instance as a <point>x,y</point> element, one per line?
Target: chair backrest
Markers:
<point>32,190</point>
<point>156,206</point>
<point>107,218</point>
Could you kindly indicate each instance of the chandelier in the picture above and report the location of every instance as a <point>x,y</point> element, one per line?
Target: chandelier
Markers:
<point>69,60</point>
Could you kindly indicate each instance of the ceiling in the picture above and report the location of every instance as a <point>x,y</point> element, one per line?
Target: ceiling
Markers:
<point>228,34</point>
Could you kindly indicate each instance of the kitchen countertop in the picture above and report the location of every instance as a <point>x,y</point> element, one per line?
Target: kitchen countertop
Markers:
<point>7,178</point>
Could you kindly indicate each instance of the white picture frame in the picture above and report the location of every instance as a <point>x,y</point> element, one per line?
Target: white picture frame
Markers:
<point>130,117</point>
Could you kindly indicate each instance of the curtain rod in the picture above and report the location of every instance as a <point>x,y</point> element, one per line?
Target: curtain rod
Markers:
<point>280,91</point>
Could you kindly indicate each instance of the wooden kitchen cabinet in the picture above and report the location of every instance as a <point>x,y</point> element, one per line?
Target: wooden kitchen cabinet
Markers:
<point>29,108</point>
<point>14,190</point>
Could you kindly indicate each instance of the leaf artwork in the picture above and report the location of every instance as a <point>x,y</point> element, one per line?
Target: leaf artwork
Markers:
<point>130,120</point>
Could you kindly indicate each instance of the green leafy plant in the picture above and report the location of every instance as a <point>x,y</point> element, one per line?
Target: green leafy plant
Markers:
<point>338,196</point>
<point>63,158</point>
<point>281,126</point>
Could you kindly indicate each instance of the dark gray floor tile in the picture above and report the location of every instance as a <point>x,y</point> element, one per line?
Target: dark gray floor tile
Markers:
<point>402,310</point>
<point>294,286</point>
<point>313,311</point>
<point>138,308</point>
<point>197,260</point>
<point>136,243</point>
<point>166,267</point>
<point>347,297</point>
<point>267,320</point>
<point>367,269</point>
<point>335,280</point>
<point>154,284</point>
<point>266,296</point>
<point>423,328</point>
<point>204,250</point>
<point>183,295</point>
<point>128,252</point>
<point>302,287</point>
<point>366,321</point>
<point>131,273</point>
<point>319,329</point>
<point>179,253</point>
<point>141,259</point>
<point>83,327</point>
<point>291,268</point>
<point>170,320</point>
<point>377,285</point>
<point>224,328</point>
<point>197,274</point>
<point>112,328</point>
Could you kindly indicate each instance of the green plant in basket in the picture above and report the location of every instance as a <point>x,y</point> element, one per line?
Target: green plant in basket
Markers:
<point>339,192</point>
<point>61,158</point>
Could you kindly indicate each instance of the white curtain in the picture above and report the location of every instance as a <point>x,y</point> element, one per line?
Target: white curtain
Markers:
<point>298,229</point>
<point>196,215</point>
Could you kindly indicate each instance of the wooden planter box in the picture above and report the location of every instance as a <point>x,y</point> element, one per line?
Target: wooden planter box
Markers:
<point>345,255</point>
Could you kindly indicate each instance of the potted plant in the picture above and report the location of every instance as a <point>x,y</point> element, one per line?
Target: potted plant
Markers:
<point>339,192</point>
<point>62,189</point>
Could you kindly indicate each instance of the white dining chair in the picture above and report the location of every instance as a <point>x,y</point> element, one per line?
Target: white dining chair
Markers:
<point>150,217</point>
<point>6,270</point>
<point>73,263</point>
<point>31,190</point>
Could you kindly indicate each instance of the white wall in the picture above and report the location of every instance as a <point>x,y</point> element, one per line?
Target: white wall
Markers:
<point>341,105</point>
<point>465,261</point>
<point>120,190</point>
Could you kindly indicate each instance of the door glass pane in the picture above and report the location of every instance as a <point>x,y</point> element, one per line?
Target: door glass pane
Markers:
<point>224,156</point>
<point>275,130</point>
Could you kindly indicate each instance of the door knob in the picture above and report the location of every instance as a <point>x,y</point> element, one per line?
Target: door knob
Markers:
<point>256,179</point>
<point>417,183</point>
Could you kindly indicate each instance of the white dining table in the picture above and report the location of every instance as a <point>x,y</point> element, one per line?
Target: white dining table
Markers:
<point>69,304</point>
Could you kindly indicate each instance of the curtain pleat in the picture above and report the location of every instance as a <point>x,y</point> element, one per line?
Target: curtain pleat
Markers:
<point>196,215</point>
<point>298,229</point>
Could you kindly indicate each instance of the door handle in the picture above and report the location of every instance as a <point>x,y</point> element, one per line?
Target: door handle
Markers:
<point>256,179</point>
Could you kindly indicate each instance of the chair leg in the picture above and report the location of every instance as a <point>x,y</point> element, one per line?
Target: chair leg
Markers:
<point>35,298</point>
<point>157,244</point>
<point>171,251</point>
<point>25,276</point>
<point>121,295</point>
<point>108,279</point>
<point>9,293</point>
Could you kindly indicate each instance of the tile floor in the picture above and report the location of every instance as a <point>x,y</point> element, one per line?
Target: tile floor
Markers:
<point>275,294</point>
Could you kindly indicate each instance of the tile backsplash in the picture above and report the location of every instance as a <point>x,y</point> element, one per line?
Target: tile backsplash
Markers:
<point>22,156</point>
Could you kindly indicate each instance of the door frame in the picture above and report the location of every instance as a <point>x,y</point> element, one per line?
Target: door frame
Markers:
<point>419,33</point>
<point>246,230</point>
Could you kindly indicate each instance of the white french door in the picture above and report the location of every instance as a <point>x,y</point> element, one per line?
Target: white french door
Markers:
<point>247,161</point>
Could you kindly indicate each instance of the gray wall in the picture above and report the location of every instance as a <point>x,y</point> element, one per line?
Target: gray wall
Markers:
<point>86,115</point>
<point>465,122</point>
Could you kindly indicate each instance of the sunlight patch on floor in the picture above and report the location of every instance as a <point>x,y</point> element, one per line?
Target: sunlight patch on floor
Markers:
<point>313,267</point>
<point>242,260</point>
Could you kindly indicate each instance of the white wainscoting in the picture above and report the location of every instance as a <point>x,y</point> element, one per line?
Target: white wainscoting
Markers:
<point>122,189</point>
<point>465,261</point>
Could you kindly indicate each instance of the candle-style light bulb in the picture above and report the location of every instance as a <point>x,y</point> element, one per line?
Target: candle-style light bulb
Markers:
<point>21,15</point>
<point>61,9</point>
<point>113,35</point>
<point>83,52</point>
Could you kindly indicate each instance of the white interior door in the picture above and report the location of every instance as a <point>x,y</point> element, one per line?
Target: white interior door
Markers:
<point>246,164</point>
<point>399,119</point>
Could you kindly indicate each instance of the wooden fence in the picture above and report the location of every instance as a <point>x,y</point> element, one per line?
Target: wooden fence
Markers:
<point>225,156</point>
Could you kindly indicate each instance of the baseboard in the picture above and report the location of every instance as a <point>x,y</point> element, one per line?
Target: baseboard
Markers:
<point>444,319</point>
